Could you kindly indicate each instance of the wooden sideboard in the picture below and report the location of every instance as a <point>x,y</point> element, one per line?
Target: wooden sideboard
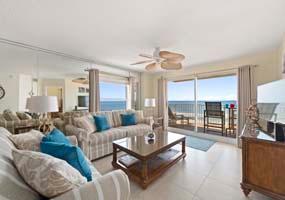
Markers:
<point>263,165</point>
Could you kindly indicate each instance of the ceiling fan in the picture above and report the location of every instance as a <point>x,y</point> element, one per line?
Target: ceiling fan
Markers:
<point>162,59</point>
<point>81,80</point>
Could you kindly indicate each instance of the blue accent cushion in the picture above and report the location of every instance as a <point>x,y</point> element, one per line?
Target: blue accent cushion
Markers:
<point>71,154</point>
<point>56,136</point>
<point>128,119</point>
<point>101,122</point>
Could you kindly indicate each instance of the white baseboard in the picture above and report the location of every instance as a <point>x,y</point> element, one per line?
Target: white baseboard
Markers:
<point>217,138</point>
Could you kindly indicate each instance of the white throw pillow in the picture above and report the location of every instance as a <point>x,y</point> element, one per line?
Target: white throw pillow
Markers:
<point>86,122</point>
<point>28,141</point>
<point>47,175</point>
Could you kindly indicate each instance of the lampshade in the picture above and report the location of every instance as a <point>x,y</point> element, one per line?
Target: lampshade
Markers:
<point>149,102</point>
<point>42,104</point>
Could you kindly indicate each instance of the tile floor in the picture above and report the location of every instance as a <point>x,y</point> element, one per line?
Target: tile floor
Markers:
<point>211,175</point>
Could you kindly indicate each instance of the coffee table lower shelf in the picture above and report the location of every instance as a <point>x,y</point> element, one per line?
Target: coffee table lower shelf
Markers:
<point>144,172</point>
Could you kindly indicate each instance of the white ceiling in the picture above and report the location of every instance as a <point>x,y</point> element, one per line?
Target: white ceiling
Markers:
<point>115,31</point>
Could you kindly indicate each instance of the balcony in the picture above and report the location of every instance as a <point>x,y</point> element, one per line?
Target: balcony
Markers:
<point>185,112</point>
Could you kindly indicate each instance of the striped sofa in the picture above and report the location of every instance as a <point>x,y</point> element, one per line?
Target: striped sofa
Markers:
<point>11,125</point>
<point>99,144</point>
<point>114,185</point>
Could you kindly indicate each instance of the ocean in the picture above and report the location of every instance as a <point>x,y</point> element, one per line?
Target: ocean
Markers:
<point>179,105</point>
<point>113,105</point>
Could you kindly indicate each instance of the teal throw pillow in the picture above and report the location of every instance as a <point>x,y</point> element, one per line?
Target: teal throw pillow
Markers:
<point>101,122</point>
<point>71,154</point>
<point>56,136</point>
<point>128,119</point>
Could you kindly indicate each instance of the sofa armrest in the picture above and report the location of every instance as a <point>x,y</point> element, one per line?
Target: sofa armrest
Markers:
<point>114,185</point>
<point>10,125</point>
<point>59,124</point>
<point>80,133</point>
<point>82,138</point>
<point>73,140</point>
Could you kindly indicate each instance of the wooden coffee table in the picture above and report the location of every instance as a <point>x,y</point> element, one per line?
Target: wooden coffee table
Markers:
<point>145,161</point>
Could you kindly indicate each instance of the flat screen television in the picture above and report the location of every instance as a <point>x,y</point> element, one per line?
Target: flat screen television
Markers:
<point>271,105</point>
<point>83,101</point>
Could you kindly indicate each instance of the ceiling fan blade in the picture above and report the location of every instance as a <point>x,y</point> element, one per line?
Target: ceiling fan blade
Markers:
<point>146,56</point>
<point>81,80</point>
<point>171,66</point>
<point>141,62</point>
<point>152,66</point>
<point>171,56</point>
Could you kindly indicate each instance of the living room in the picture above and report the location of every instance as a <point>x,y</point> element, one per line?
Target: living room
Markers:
<point>120,100</point>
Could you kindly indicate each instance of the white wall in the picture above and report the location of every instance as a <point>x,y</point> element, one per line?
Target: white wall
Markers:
<point>25,87</point>
<point>71,93</point>
<point>268,70</point>
<point>10,82</point>
<point>282,56</point>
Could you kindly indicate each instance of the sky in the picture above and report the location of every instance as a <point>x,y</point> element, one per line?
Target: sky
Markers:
<point>112,91</point>
<point>213,89</point>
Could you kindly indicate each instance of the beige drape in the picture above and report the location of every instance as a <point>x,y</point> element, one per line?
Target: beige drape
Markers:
<point>247,94</point>
<point>134,92</point>
<point>162,103</point>
<point>94,90</point>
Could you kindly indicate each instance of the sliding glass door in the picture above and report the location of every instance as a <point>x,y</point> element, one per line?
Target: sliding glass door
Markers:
<point>181,101</point>
<point>187,105</point>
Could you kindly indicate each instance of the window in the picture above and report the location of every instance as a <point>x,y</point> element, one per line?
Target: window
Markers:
<point>113,96</point>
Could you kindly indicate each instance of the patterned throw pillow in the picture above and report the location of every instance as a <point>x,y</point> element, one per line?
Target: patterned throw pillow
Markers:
<point>86,122</point>
<point>47,175</point>
<point>28,141</point>
<point>10,116</point>
<point>23,116</point>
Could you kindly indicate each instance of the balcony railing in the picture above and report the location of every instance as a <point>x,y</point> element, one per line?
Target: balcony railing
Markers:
<point>187,109</point>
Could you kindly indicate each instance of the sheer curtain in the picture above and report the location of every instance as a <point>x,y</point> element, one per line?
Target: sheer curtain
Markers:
<point>247,94</point>
<point>94,90</point>
<point>162,103</point>
<point>134,92</point>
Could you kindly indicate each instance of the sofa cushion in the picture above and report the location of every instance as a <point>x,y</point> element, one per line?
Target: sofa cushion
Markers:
<point>107,136</point>
<point>56,136</point>
<point>46,174</point>
<point>139,129</point>
<point>86,122</point>
<point>23,116</point>
<point>108,115</point>
<point>128,119</point>
<point>28,141</point>
<point>102,123</point>
<point>71,154</point>
<point>117,117</point>
<point>10,116</point>
<point>12,184</point>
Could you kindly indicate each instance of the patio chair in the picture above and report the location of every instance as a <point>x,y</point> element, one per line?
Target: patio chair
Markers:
<point>173,117</point>
<point>214,112</point>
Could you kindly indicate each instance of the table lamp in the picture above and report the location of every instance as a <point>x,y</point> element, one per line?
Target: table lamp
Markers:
<point>43,105</point>
<point>150,103</point>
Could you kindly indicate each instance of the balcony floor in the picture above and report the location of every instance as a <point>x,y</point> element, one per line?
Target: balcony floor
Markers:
<point>211,131</point>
